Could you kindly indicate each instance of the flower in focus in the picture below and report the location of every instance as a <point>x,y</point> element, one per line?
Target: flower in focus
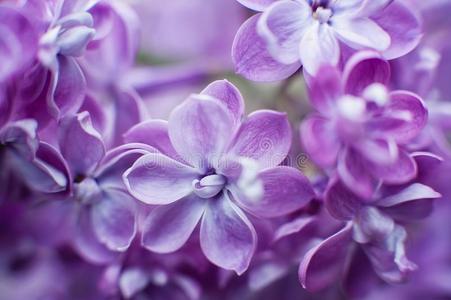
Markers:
<point>361,127</point>
<point>273,44</point>
<point>208,169</point>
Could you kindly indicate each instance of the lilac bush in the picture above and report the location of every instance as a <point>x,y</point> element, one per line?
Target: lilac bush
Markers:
<point>140,158</point>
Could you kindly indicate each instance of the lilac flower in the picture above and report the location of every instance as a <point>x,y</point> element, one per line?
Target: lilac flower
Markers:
<point>144,274</point>
<point>360,127</point>
<point>373,224</point>
<point>208,169</point>
<point>23,155</point>
<point>100,213</point>
<point>273,44</point>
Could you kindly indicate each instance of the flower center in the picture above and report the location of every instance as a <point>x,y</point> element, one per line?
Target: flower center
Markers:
<point>322,14</point>
<point>86,190</point>
<point>209,186</point>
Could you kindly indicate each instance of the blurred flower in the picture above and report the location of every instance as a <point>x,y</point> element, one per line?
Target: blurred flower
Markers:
<point>360,127</point>
<point>273,44</point>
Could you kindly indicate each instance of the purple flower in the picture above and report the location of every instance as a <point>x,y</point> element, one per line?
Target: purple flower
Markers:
<point>360,127</point>
<point>373,224</point>
<point>273,44</point>
<point>209,170</point>
<point>99,211</point>
<point>23,155</point>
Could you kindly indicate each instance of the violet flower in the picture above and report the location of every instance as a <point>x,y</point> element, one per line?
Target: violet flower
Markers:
<point>209,170</point>
<point>375,225</point>
<point>100,213</point>
<point>360,127</point>
<point>273,44</point>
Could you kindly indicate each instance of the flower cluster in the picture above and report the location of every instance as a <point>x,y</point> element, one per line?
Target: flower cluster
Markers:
<point>129,171</point>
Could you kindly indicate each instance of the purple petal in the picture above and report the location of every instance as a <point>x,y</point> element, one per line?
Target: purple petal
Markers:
<point>352,169</point>
<point>81,145</point>
<point>86,243</point>
<point>128,111</point>
<point>323,264</point>
<point>258,5</point>
<point>264,136</point>
<point>319,140</point>
<point>341,203</point>
<point>389,258</point>
<point>113,219</point>
<point>360,33</point>
<point>117,161</point>
<point>413,192</point>
<point>70,86</point>
<point>411,106</point>
<point>153,133</point>
<point>371,224</point>
<point>369,7</point>
<point>200,130</point>
<point>157,179</point>
<point>46,173</point>
<point>403,26</point>
<point>282,26</point>
<point>252,59</point>
<point>401,171</point>
<point>363,69</point>
<point>227,237</point>
<point>229,95</point>
<point>168,227</point>
<point>318,47</point>
<point>132,281</point>
<point>285,191</point>
<point>378,150</point>
<point>325,89</point>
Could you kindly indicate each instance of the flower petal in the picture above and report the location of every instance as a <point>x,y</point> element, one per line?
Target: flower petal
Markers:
<point>413,192</point>
<point>318,47</point>
<point>86,242</point>
<point>80,144</point>
<point>157,179</point>
<point>153,133</point>
<point>229,95</point>
<point>403,26</point>
<point>264,136</point>
<point>319,140</point>
<point>352,169</point>
<point>285,191</point>
<point>168,227</point>
<point>70,86</point>
<point>282,26</point>
<point>388,257</point>
<point>341,203</point>
<point>323,264</point>
<point>360,33</point>
<point>325,89</point>
<point>252,59</point>
<point>200,130</point>
<point>363,69</point>
<point>227,237</point>
<point>258,5</point>
<point>113,219</point>
<point>401,171</point>
<point>407,104</point>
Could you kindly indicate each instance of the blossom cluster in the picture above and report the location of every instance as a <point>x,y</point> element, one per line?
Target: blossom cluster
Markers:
<point>131,169</point>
